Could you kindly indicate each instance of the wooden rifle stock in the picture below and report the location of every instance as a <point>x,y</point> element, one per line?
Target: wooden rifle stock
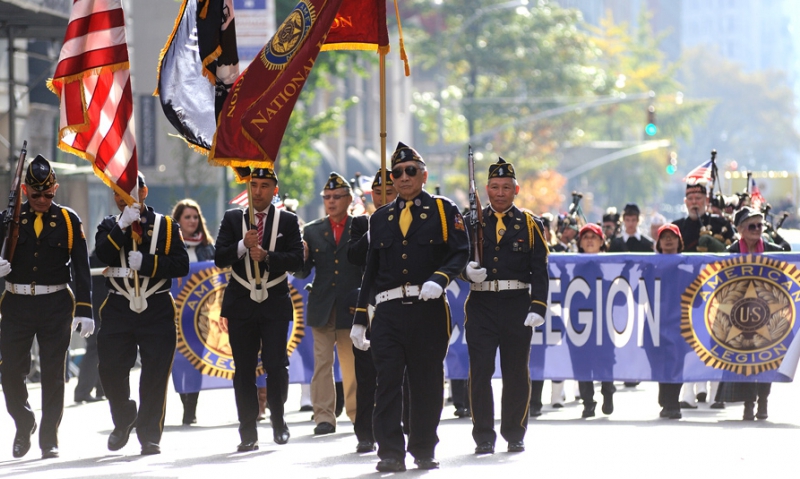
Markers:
<point>476,213</point>
<point>11,220</point>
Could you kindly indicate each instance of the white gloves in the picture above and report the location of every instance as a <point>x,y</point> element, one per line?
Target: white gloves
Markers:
<point>475,273</point>
<point>135,260</point>
<point>5,268</point>
<point>86,324</point>
<point>358,334</point>
<point>129,215</point>
<point>430,290</point>
<point>534,319</point>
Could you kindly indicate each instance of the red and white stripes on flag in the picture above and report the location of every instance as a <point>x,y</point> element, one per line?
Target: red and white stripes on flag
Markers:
<point>700,175</point>
<point>241,200</point>
<point>93,82</point>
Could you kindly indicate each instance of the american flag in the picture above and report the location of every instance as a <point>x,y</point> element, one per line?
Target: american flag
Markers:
<point>93,82</point>
<point>756,200</point>
<point>241,200</point>
<point>701,174</point>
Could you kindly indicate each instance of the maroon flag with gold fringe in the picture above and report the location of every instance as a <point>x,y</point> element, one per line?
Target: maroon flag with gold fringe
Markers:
<point>257,110</point>
<point>359,25</point>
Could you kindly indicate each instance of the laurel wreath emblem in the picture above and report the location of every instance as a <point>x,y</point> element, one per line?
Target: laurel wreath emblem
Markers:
<point>778,323</point>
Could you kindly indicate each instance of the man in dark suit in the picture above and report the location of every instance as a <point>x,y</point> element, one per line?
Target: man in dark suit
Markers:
<point>140,320</point>
<point>357,249</point>
<point>418,244</point>
<point>631,240</point>
<point>259,313</point>
<point>507,299</point>
<point>328,311</point>
<point>51,251</point>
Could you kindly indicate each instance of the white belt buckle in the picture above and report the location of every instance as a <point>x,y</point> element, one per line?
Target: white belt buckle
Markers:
<point>33,288</point>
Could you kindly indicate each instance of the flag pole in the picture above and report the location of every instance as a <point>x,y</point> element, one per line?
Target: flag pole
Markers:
<point>383,123</point>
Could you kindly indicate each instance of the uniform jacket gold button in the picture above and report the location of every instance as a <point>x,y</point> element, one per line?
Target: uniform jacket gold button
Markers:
<point>405,242</point>
<point>35,268</point>
<point>405,256</point>
<point>497,248</point>
<point>496,259</point>
<point>494,270</point>
<point>405,271</point>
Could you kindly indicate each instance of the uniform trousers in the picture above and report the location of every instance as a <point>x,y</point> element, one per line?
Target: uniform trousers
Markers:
<point>365,394</point>
<point>668,395</point>
<point>497,320</point>
<point>410,336</point>
<point>323,389</point>
<point>248,335</point>
<point>152,333</point>
<point>50,321</point>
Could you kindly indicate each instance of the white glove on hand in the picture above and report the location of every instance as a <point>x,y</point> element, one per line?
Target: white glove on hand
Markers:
<point>135,260</point>
<point>86,324</point>
<point>430,290</point>
<point>534,319</point>
<point>129,215</point>
<point>5,268</point>
<point>358,334</point>
<point>475,273</point>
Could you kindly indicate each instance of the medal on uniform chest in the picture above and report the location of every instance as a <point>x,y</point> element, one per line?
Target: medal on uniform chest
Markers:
<point>502,231</point>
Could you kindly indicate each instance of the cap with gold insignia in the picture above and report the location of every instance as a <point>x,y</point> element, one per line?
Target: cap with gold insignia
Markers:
<point>264,174</point>
<point>405,153</point>
<point>502,169</point>
<point>378,180</point>
<point>336,181</point>
<point>40,175</point>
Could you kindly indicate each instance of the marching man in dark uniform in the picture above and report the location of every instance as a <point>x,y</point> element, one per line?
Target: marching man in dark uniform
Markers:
<point>417,245</point>
<point>138,319</point>
<point>37,302</point>
<point>357,248</point>
<point>259,314</point>
<point>507,299</point>
<point>631,240</point>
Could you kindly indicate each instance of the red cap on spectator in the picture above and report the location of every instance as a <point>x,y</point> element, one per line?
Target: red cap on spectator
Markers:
<point>669,227</point>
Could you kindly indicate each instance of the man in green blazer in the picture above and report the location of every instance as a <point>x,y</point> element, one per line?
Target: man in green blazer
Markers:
<point>328,313</point>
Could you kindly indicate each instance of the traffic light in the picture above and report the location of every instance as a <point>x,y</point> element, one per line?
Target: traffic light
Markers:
<point>651,129</point>
<point>672,163</point>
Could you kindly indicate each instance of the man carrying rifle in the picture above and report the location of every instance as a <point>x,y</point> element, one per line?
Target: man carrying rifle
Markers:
<point>50,252</point>
<point>417,245</point>
<point>507,299</point>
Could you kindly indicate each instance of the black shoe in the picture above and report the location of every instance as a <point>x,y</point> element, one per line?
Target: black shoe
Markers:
<point>150,448</point>
<point>484,448</point>
<point>701,397</point>
<point>718,405</point>
<point>188,421</point>
<point>461,412</point>
<point>608,404</point>
<point>390,465</point>
<point>670,413</point>
<point>119,436</point>
<point>87,399</point>
<point>22,441</point>
<point>49,452</point>
<point>426,463</point>
<point>324,428</point>
<point>365,446</point>
<point>280,433</point>
<point>749,414</point>
<point>631,384</point>
<point>557,405</point>
<point>536,411</point>
<point>761,413</point>
<point>306,408</point>
<point>247,446</point>
<point>588,409</point>
<point>516,446</point>
<point>686,405</point>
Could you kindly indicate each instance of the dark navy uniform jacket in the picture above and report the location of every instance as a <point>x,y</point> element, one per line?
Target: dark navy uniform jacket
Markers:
<point>720,228</point>
<point>47,260</point>
<point>435,248</point>
<point>520,255</point>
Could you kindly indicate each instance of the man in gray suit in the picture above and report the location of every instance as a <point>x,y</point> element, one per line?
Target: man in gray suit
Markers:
<point>328,310</point>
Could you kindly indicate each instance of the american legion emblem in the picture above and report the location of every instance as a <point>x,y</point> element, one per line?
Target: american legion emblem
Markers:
<point>738,313</point>
<point>202,332</point>
<point>290,36</point>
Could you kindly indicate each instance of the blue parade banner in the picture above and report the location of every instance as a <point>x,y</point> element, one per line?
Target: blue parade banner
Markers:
<point>624,317</point>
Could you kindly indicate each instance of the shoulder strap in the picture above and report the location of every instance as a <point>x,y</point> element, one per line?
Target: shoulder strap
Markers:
<point>440,204</point>
<point>70,231</point>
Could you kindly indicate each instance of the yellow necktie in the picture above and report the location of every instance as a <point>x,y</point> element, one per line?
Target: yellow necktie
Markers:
<point>501,227</point>
<point>38,224</point>
<point>405,218</point>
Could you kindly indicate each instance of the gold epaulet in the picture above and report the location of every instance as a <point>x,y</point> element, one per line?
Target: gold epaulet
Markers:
<point>169,234</point>
<point>440,204</point>
<point>70,232</point>
<point>533,226</point>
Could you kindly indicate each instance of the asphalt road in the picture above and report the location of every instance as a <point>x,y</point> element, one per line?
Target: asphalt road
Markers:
<point>705,443</point>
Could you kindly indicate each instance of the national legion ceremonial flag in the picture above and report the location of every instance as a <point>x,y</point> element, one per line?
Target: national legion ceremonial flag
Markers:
<point>256,113</point>
<point>197,68</point>
<point>359,25</point>
<point>701,174</point>
<point>93,82</point>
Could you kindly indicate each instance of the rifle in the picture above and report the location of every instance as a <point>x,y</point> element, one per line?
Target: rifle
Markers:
<point>476,212</point>
<point>11,220</point>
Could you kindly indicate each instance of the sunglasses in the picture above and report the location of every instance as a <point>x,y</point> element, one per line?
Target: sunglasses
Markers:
<point>755,226</point>
<point>410,171</point>
<point>335,197</point>
<point>36,196</point>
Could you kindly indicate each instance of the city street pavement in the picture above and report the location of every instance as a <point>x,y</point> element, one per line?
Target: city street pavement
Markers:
<point>705,443</point>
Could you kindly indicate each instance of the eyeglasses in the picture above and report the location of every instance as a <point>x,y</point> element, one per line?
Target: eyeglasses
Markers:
<point>335,197</point>
<point>410,171</point>
<point>755,226</point>
<point>36,196</point>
